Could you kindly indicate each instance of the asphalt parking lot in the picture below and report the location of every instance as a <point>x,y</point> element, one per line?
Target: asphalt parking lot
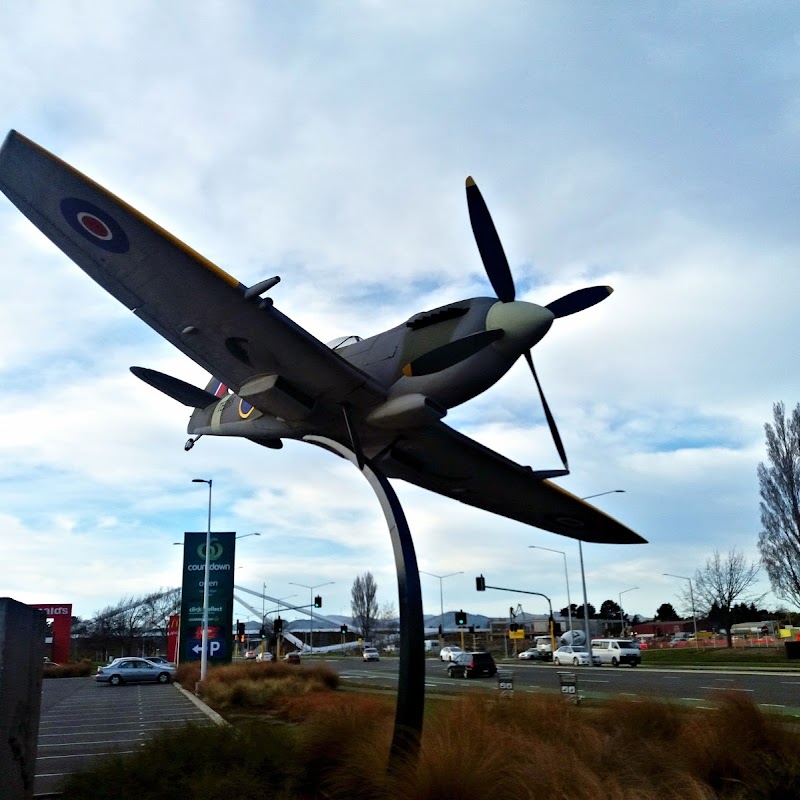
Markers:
<point>82,720</point>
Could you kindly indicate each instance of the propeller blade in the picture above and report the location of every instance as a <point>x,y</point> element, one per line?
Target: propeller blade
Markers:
<point>491,249</point>
<point>451,353</point>
<point>550,421</point>
<point>579,300</point>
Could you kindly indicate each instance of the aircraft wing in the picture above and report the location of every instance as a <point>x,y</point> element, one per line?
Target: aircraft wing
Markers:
<point>444,461</point>
<point>191,302</point>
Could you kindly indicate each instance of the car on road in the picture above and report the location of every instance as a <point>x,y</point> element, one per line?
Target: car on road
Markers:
<point>617,651</point>
<point>576,655</point>
<point>371,654</point>
<point>449,652</point>
<point>472,664</point>
<point>264,657</point>
<point>250,655</point>
<point>134,670</point>
<point>292,658</point>
<point>158,660</point>
<point>531,654</point>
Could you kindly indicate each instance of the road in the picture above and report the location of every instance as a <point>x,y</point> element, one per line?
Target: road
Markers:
<point>82,720</point>
<point>773,691</point>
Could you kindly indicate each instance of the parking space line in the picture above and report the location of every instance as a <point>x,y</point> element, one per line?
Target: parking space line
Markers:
<point>85,755</point>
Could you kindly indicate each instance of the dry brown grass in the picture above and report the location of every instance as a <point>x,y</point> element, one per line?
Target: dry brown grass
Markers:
<point>256,685</point>
<point>75,669</point>
<point>527,748</point>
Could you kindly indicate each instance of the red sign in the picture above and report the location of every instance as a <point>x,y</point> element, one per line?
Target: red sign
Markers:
<point>61,616</point>
<point>173,630</point>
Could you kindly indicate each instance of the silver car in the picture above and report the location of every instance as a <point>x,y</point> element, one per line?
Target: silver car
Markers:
<point>450,652</point>
<point>134,670</point>
<point>574,654</point>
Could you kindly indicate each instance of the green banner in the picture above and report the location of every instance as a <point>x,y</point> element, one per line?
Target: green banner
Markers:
<point>220,596</point>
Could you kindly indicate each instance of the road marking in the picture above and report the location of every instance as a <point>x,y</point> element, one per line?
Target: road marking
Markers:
<point>725,689</point>
<point>692,699</point>
<point>772,705</point>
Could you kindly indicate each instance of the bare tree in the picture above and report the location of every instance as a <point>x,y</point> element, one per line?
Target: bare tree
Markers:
<point>779,484</point>
<point>723,581</point>
<point>363,606</point>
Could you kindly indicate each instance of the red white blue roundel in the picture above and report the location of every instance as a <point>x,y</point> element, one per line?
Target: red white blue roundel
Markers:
<point>94,224</point>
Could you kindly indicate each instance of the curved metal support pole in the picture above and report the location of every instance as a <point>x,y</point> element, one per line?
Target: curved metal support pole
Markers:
<point>411,682</point>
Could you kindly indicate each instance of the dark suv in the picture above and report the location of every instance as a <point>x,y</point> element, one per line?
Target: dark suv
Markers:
<point>468,665</point>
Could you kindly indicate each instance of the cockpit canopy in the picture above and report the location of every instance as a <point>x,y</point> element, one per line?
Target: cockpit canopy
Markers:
<point>342,341</point>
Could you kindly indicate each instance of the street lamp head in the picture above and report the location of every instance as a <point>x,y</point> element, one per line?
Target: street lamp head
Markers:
<point>202,480</point>
<point>600,494</point>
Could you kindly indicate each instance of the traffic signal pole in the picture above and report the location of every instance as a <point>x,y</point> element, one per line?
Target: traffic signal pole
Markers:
<point>482,586</point>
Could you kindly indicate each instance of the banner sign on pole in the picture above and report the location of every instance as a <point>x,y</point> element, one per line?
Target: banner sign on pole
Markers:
<point>172,638</point>
<point>220,597</point>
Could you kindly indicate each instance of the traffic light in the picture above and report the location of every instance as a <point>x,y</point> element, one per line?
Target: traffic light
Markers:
<point>277,625</point>
<point>440,630</point>
<point>263,633</point>
<point>480,583</point>
<point>318,602</point>
<point>461,618</point>
<point>513,627</point>
<point>472,629</point>
<point>344,629</point>
<point>239,628</point>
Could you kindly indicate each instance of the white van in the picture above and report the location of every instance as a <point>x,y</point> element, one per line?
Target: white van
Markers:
<point>617,651</point>
<point>544,644</point>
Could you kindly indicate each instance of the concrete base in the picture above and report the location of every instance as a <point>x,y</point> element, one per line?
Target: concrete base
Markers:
<point>22,632</point>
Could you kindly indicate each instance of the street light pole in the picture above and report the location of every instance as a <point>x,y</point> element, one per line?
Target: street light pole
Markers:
<point>621,617</point>
<point>204,640</point>
<point>583,575</point>
<point>566,575</point>
<point>691,596</point>
<point>311,609</point>
<point>441,597</point>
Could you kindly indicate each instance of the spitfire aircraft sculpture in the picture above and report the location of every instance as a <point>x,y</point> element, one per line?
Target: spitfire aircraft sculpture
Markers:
<point>382,397</point>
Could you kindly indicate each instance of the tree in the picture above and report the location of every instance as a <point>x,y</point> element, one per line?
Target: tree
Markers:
<point>723,581</point>
<point>609,610</point>
<point>666,613</point>
<point>779,485</point>
<point>363,606</point>
<point>592,611</point>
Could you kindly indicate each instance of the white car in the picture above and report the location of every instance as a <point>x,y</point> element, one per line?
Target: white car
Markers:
<point>532,653</point>
<point>371,654</point>
<point>265,656</point>
<point>450,652</point>
<point>575,655</point>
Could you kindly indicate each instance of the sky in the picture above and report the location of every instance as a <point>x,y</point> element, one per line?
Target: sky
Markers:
<point>652,147</point>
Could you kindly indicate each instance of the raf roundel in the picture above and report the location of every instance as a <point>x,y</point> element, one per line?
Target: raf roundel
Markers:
<point>94,224</point>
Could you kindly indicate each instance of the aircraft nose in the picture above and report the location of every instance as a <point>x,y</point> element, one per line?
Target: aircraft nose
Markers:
<point>524,324</point>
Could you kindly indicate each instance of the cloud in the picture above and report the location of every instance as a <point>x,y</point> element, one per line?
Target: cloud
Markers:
<point>654,152</point>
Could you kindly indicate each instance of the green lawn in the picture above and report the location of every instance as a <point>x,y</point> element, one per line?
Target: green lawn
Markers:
<point>720,656</point>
